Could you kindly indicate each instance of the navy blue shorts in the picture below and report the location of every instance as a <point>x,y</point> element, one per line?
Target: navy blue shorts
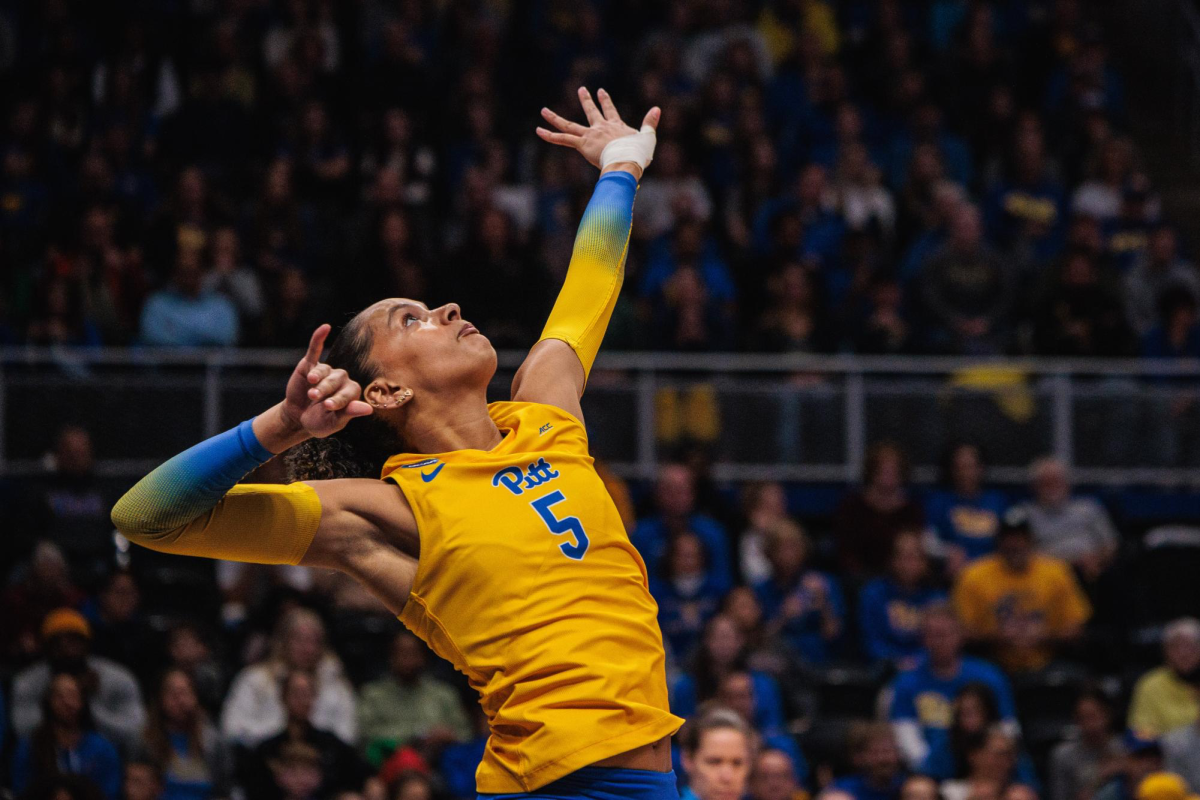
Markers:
<point>603,783</point>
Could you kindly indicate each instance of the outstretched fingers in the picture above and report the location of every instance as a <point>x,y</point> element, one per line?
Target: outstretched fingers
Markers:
<point>316,344</point>
<point>606,105</point>
<point>562,123</point>
<point>564,139</point>
<point>594,117</point>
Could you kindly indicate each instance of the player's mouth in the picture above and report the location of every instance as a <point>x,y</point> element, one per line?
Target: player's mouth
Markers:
<point>466,330</point>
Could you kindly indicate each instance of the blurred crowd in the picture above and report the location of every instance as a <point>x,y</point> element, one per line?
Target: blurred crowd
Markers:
<point>872,176</point>
<point>956,642</point>
<point>875,176</point>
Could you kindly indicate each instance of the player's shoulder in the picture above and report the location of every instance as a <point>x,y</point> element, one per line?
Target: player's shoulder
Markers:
<point>539,426</point>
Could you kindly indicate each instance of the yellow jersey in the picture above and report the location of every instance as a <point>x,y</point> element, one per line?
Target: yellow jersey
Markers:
<point>528,585</point>
<point>989,598</point>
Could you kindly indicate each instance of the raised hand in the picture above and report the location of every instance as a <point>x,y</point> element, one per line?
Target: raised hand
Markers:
<point>604,126</point>
<point>320,400</point>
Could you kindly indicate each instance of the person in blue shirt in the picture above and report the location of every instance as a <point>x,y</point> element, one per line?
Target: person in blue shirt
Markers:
<point>975,712</point>
<point>183,315</point>
<point>65,743</point>
<point>801,604</point>
<point>675,498</point>
<point>722,652</point>
<point>965,515</point>
<point>686,595</point>
<point>890,608</point>
<point>879,772</point>
<point>922,706</point>
<point>737,692</point>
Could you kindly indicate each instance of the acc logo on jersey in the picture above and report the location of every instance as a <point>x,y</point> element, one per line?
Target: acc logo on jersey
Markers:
<point>517,480</point>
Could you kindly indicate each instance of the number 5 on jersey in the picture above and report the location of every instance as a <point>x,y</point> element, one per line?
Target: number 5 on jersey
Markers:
<point>558,526</point>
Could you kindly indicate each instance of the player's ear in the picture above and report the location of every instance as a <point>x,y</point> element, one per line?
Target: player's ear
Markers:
<point>382,394</point>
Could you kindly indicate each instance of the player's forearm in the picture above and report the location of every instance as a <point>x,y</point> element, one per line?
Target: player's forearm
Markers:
<point>188,505</point>
<point>585,304</point>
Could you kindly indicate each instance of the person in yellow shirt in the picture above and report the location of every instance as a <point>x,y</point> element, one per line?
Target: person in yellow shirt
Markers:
<point>484,527</point>
<point>1163,699</point>
<point>1024,604</point>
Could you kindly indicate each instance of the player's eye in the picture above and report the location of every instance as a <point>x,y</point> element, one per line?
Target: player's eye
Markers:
<point>407,319</point>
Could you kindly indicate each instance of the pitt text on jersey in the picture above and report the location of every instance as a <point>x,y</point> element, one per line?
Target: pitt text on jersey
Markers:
<point>517,480</point>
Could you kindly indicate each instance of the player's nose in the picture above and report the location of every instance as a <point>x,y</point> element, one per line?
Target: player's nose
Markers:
<point>448,313</point>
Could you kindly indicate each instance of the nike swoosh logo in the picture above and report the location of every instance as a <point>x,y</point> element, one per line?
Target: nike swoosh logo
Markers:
<point>428,476</point>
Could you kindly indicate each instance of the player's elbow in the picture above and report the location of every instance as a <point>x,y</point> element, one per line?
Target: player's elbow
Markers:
<point>129,518</point>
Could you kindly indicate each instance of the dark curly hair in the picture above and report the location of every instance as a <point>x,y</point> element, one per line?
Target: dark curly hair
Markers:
<point>360,449</point>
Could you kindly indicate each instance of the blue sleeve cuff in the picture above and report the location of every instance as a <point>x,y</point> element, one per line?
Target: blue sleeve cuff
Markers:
<point>620,176</point>
<point>250,444</point>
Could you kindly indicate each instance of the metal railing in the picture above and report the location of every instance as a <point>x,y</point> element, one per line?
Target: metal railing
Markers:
<point>777,417</point>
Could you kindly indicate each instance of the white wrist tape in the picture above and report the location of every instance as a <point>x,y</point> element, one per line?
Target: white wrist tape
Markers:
<point>637,148</point>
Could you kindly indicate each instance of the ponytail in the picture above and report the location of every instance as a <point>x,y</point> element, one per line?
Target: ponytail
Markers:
<point>360,449</point>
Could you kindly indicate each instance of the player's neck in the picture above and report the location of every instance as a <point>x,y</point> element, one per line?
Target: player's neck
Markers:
<point>447,424</point>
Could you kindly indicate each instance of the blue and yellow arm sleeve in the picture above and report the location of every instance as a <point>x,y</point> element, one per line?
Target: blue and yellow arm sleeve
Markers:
<point>191,505</point>
<point>589,294</point>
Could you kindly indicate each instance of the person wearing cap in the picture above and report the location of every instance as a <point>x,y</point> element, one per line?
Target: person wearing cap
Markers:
<point>1143,757</point>
<point>1164,786</point>
<point>1022,603</point>
<point>116,701</point>
<point>1163,699</point>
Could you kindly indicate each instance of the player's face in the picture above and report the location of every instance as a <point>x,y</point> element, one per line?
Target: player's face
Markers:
<point>427,350</point>
<point>720,766</point>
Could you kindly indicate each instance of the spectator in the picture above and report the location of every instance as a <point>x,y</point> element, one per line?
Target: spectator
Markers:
<point>142,781</point>
<point>685,595</point>
<point>115,701</point>
<point>1023,605</point>
<point>722,652</point>
<point>802,605</point>
<point>869,518</point>
<point>764,653</point>
<point>45,586</point>
<point>1164,699</point>
<point>920,787</point>
<point>716,756</point>
<point>254,707</point>
<point>923,697</point>
<point>890,608</point>
<point>413,786</point>
<point>340,768</point>
<point>1180,747</point>
<point>1160,268</point>
<point>1143,758</point>
<point>119,631</point>
<point>1082,764</point>
<point>736,692</point>
<point>188,651</point>
<point>65,742</point>
<point>409,707</point>
<point>878,770</point>
<point>184,314</point>
<point>774,777</point>
<point>690,292</point>
<point>992,759</point>
<point>1178,332</point>
<point>765,504</point>
<point>975,711</point>
<point>964,514</point>
<point>1074,529</point>
<point>179,737</point>
<point>967,291</point>
<point>790,324</point>
<point>232,278</point>
<point>675,501</point>
<point>1080,314</point>
<point>76,506</point>
<point>670,195</point>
